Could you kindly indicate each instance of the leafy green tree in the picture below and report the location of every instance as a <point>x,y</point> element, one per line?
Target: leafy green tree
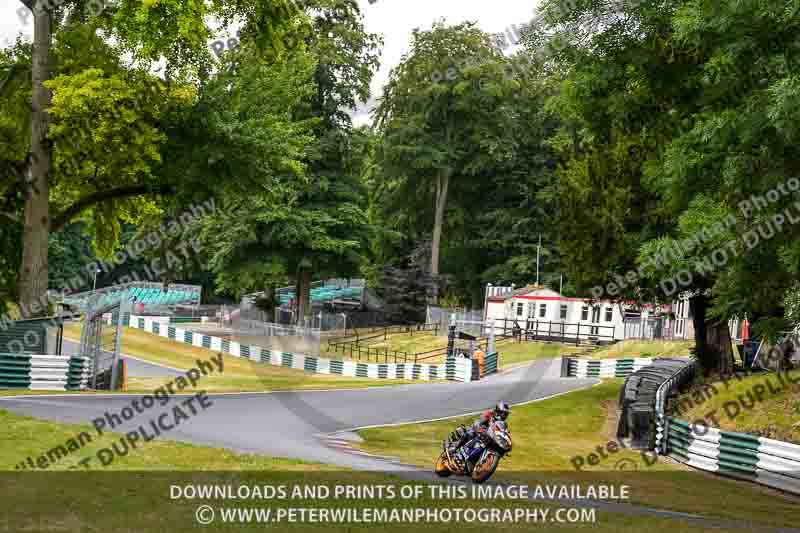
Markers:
<point>317,224</point>
<point>740,145</point>
<point>247,125</point>
<point>70,251</point>
<point>444,118</point>
<point>405,286</point>
<point>173,30</point>
<point>674,115</point>
<point>515,203</point>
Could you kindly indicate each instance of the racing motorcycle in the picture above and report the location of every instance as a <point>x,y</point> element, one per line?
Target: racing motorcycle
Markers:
<point>479,457</point>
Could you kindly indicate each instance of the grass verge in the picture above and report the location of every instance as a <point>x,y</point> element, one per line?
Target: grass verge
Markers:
<point>762,404</point>
<point>511,352</point>
<point>643,348</point>
<point>551,434</point>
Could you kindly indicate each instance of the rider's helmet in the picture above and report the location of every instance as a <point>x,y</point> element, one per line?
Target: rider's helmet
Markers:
<point>501,410</point>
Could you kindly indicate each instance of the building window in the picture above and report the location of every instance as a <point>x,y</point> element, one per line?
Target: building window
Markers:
<point>563,312</point>
<point>681,309</point>
<point>519,309</point>
<point>609,314</point>
<point>531,310</point>
<point>585,312</point>
<point>542,310</point>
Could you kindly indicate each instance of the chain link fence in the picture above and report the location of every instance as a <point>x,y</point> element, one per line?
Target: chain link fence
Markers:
<point>440,318</point>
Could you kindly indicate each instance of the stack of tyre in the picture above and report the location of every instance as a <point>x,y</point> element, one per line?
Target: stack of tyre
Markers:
<point>637,401</point>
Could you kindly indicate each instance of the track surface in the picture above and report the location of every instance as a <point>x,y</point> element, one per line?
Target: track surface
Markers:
<point>299,424</point>
<point>135,367</point>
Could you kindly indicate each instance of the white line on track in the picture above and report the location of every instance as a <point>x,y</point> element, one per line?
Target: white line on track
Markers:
<point>393,424</point>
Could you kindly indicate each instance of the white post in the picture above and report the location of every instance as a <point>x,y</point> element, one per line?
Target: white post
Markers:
<point>486,301</point>
<point>124,307</point>
<point>538,247</point>
<point>94,283</point>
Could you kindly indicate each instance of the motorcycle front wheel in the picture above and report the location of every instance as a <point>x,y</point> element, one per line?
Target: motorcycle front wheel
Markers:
<point>442,470</point>
<point>485,468</point>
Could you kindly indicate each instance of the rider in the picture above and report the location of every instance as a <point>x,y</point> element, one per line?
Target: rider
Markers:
<point>500,412</point>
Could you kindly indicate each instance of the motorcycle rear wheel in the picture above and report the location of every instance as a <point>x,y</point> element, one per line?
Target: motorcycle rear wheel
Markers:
<point>485,468</point>
<point>442,470</point>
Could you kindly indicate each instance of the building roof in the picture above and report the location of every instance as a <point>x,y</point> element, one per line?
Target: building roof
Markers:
<point>534,292</point>
<point>516,292</point>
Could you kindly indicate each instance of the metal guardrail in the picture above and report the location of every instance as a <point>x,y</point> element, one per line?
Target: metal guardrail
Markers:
<point>554,330</point>
<point>459,369</point>
<point>640,396</point>
<point>670,386</point>
<point>742,456</point>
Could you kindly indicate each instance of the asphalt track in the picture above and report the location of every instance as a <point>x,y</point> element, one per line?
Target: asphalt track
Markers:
<point>135,367</point>
<point>312,425</point>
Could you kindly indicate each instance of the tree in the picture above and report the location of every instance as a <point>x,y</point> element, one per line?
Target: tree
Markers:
<point>442,120</point>
<point>514,204</point>
<point>406,286</point>
<point>741,144</point>
<point>318,224</point>
<point>70,250</point>
<point>173,29</point>
<point>674,115</point>
<point>247,124</point>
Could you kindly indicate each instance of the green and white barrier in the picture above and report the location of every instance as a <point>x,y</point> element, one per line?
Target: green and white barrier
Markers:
<point>319,365</point>
<point>78,374</point>
<point>458,368</point>
<point>604,368</point>
<point>757,459</point>
<point>42,372</point>
<point>490,363</point>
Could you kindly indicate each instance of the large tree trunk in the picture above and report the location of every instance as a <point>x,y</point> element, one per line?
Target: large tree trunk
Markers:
<point>698,304</point>
<point>712,340</point>
<point>442,186</point>
<point>33,269</point>
<point>303,296</point>
<point>718,344</point>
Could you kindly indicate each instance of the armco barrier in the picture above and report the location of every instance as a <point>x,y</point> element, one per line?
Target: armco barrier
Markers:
<point>669,388</point>
<point>319,365</point>
<point>42,372</point>
<point>574,367</point>
<point>765,461</point>
<point>642,396</point>
<point>757,459</point>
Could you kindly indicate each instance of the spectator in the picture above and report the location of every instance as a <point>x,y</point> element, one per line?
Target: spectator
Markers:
<point>517,331</point>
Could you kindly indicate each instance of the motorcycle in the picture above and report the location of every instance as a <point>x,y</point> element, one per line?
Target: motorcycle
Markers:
<point>479,457</point>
